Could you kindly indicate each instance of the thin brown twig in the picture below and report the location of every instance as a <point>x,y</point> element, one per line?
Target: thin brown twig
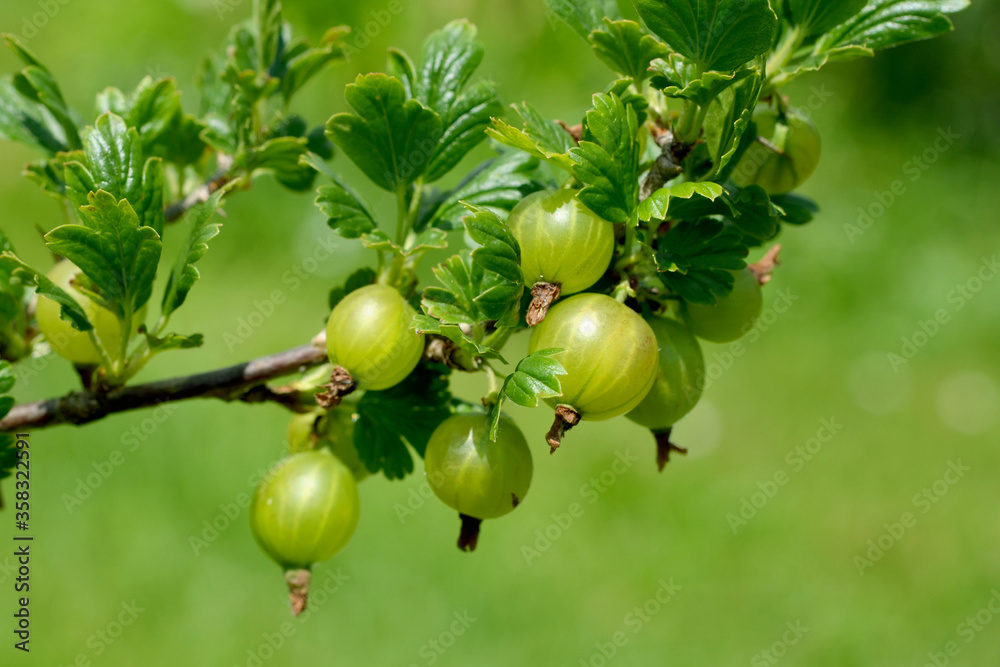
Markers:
<point>242,382</point>
<point>202,193</point>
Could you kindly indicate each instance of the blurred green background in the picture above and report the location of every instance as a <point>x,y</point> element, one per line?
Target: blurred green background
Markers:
<point>401,581</point>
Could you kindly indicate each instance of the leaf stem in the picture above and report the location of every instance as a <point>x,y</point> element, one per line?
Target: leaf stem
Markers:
<point>787,46</point>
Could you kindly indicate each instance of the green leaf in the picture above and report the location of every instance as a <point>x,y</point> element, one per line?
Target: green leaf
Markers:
<point>755,215</point>
<point>540,137</point>
<point>173,341</point>
<point>150,205</point>
<point>795,209</point>
<point>113,249</point>
<point>36,83</point>
<point>114,158</point>
<point>8,441</point>
<point>304,66</point>
<point>661,205</point>
<point>427,325</point>
<point>405,414</point>
<point>730,115</point>
<point>185,275</point>
<point>536,376</point>
<point>390,138</point>
<point>717,35</point>
<point>426,240</point>
<point>584,16</point>
<point>153,109</point>
<point>465,128</point>
<point>360,278</point>
<point>449,58</point>
<point>267,32</point>
<point>346,212</point>
<point>30,124</point>
<point>70,310</point>
<point>498,250</point>
<point>814,17</point>
<point>678,77</point>
<point>497,184</point>
<point>470,294</point>
<point>623,47</point>
<point>608,166</point>
<point>282,156</point>
<point>695,259</point>
<point>886,23</point>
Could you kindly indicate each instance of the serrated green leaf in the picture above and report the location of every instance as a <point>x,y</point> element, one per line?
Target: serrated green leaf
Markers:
<point>608,166</point>
<point>70,310</point>
<point>426,240</point>
<point>497,184</point>
<point>535,377</point>
<point>498,250</point>
<point>185,274</point>
<point>623,47</point>
<point>730,115</point>
<point>540,137</point>
<point>379,240</point>
<point>425,324</point>
<point>695,258</point>
<point>346,212</point>
<point>658,205</point>
<point>717,35</point>
<point>113,249</point>
<point>30,124</point>
<point>886,23</point>
<point>150,205</point>
<point>464,128</point>
<point>282,157</point>
<point>678,77</point>
<point>454,302</point>
<point>584,16</point>
<point>389,137</point>
<point>304,66</point>
<point>114,158</point>
<point>405,414</point>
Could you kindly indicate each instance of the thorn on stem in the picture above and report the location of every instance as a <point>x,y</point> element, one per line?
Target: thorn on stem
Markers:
<point>543,295</point>
<point>469,534</point>
<point>565,419</point>
<point>340,385</point>
<point>664,447</point>
<point>763,269</point>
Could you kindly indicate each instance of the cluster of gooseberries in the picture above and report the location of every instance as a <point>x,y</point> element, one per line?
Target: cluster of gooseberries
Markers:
<point>619,358</point>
